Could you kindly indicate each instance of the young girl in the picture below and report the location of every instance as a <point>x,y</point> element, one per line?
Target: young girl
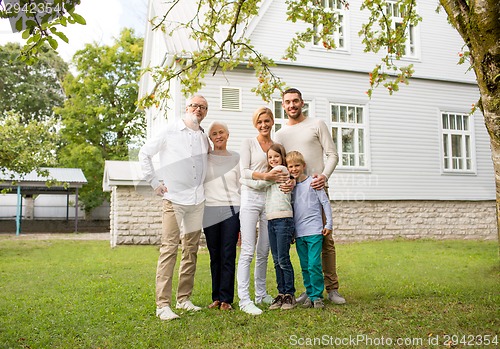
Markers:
<point>280,227</point>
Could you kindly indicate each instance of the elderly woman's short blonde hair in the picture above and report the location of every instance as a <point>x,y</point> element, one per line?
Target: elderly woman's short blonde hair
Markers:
<point>261,111</point>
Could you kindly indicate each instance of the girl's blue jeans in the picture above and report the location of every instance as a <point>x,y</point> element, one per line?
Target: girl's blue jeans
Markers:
<point>281,232</point>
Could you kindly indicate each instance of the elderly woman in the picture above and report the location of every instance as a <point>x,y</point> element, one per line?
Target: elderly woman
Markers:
<point>221,219</point>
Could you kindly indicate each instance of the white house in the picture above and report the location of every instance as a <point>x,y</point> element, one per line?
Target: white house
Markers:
<point>414,164</point>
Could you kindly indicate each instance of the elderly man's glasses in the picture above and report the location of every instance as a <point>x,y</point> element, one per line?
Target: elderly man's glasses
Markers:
<point>196,106</point>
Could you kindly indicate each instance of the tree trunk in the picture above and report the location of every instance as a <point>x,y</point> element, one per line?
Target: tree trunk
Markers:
<point>489,88</point>
<point>477,22</point>
<point>491,124</point>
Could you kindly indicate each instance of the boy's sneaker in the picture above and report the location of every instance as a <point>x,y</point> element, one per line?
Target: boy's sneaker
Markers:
<point>277,302</point>
<point>267,300</point>
<point>251,309</point>
<point>318,303</point>
<point>187,305</point>
<point>335,297</point>
<point>302,298</point>
<point>307,303</point>
<point>166,313</point>
<point>289,302</point>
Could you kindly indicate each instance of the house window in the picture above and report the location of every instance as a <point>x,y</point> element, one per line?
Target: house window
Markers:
<point>458,145</point>
<point>349,132</point>
<point>280,117</point>
<point>230,98</point>
<point>397,11</point>
<point>340,14</point>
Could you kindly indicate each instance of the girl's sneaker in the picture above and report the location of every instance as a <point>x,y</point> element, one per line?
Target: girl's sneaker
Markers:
<point>277,302</point>
<point>289,302</point>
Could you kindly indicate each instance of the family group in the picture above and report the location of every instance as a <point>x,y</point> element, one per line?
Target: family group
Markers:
<point>271,194</point>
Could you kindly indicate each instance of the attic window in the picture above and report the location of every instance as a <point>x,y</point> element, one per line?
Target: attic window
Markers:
<point>230,98</point>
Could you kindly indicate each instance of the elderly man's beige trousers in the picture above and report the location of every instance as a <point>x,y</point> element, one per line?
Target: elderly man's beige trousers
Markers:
<point>174,217</point>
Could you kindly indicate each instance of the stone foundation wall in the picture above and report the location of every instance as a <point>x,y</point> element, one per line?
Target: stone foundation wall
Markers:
<point>376,220</point>
<point>135,218</point>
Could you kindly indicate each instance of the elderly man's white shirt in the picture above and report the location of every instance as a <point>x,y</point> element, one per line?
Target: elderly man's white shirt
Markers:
<point>183,162</point>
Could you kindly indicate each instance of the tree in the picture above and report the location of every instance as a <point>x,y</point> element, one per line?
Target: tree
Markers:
<point>25,147</point>
<point>32,91</point>
<point>99,117</point>
<point>29,94</point>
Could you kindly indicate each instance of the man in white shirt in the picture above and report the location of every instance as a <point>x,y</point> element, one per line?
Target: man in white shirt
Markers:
<point>182,147</point>
<point>311,138</point>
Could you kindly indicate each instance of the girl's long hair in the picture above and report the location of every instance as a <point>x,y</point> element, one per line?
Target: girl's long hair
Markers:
<point>278,148</point>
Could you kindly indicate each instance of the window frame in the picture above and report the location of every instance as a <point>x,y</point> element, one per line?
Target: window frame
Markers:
<point>411,31</point>
<point>448,147</point>
<point>339,125</point>
<point>343,27</point>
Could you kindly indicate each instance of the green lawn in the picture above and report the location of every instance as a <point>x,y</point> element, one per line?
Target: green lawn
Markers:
<point>401,294</point>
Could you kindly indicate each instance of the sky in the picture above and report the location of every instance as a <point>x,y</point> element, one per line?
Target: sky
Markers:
<point>105,19</point>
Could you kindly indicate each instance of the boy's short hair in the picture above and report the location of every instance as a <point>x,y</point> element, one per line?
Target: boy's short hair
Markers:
<point>295,156</point>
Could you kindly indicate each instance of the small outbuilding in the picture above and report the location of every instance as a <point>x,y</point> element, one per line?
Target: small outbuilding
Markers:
<point>135,215</point>
<point>46,181</point>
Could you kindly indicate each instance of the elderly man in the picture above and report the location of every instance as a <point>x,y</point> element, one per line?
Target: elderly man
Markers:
<point>182,147</point>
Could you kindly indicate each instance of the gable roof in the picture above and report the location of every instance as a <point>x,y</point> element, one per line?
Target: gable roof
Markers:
<point>178,40</point>
<point>122,173</point>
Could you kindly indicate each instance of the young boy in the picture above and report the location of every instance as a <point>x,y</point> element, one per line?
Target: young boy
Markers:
<point>309,228</point>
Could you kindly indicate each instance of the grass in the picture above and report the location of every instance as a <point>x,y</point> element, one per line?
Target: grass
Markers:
<point>82,294</point>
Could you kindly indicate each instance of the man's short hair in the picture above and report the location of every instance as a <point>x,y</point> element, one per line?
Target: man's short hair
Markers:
<point>292,90</point>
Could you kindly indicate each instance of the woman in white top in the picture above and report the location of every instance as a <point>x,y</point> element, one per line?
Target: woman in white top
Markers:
<point>221,218</point>
<point>253,165</point>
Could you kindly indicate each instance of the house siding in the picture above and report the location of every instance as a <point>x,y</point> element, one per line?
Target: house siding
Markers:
<point>438,53</point>
<point>404,133</point>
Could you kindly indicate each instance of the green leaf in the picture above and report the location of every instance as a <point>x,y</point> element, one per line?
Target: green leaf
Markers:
<point>26,34</point>
<point>30,23</point>
<point>62,36</point>
<point>52,42</point>
<point>79,19</point>
<point>19,24</point>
